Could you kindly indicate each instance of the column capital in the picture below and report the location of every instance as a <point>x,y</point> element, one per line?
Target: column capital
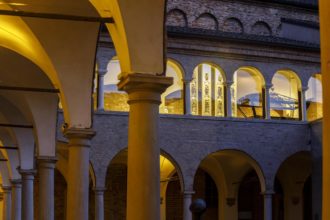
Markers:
<point>141,81</point>
<point>144,87</point>
<point>268,85</point>
<point>27,173</point>
<point>228,83</point>
<point>268,193</point>
<point>187,81</point>
<point>101,72</point>
<point>6,189</point>
<point>230,201</point>
<point>46,161</point>
<point>83,133</point>
<point>304,88</point>
<point>16,183</point>
<point>99,190</point>
<point>188,193</point>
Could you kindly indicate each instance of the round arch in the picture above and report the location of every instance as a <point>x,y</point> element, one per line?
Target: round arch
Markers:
<point>247,93</point>
<point>285,95</point>
<point>314,98</point>
<point>207,90</point>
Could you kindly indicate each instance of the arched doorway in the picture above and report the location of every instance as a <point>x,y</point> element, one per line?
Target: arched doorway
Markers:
<point>206,189</point>
<point>250,199</point>
<point>294,178</point>
<point>223,176</point>
<point>171,203</point>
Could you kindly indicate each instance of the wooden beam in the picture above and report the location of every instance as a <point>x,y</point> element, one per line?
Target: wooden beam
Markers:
<point>15,125</point>
<point>9,147</point>
<point>54,16</point>
<point>29,89</point>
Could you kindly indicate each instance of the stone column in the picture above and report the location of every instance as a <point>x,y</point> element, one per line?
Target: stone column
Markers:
<point>6,202</point>
<point>16,208</point>
<point>99,203</point>
<point>267,88</point>
<point>187,200</point>
<point>268,205</point>
<point>78,172</point>
<point>228,85</point>
<point>187,99</point>
<point>303,105</point>
<point>46,166</point>
<point>27,194</point>
<point>100,92</point>
<point>143,178</point>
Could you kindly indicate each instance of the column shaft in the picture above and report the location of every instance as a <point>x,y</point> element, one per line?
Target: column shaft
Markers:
<point>78,172</point>
<point>268,206</point>
<point>187,99</point>
<point>187,200</point>
<point>143,188</point>
<point>16,209</point>
<point>303,105</point>
<point>27,194</point>
<point>228,99</point>
<point>99,203</point>
<point>6,202</point>
<point>46,168</point>
<point>100,92</point>
<point>267,101</point>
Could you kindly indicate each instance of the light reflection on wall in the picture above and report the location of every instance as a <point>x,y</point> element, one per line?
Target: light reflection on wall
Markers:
<point>284,96</point>
<point>172,98</point>
<point>314,98</point>
<point>246,92</point>
<point>207,91</point>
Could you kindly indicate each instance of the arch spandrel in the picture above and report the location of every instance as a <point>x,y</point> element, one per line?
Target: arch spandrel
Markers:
<point>138,33</point>
<point>40,110</point>
<point>4,171</point>
<point>24,136</point>
<point>15,35</point>
<point>12,155</point>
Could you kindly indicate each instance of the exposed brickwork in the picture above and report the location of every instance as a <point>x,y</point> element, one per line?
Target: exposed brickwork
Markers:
<point>176,17</point>
<point>248,14</point>
<point>115,196</point>
<point>233,25</point>
<point>174,201</point>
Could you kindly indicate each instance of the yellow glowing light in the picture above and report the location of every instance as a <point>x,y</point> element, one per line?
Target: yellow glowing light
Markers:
<point>13,3</point>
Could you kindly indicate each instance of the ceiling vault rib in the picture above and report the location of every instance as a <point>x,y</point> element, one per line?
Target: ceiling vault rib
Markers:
<point>15,125</point>
<point>28,89</point>
<point>57,16</point>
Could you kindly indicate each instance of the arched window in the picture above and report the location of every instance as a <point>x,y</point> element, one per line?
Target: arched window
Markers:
<point>114,100</point>
<point>285,96</point>
<point>247,93</point>
<point>207,91</point>
<point>314,98</point>
<point>172,98</point>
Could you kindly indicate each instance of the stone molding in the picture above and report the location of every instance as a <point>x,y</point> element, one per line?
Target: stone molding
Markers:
<point>86,133</point>
<point>144,87</point>
<point>27,174</point>
<point>46,162</point>
<point>16,183</point>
